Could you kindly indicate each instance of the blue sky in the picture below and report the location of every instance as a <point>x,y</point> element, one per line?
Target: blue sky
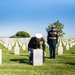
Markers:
<point>34,16</point>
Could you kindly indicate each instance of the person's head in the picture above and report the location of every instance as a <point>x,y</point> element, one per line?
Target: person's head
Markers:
<point>53,27</point>
<point>38,36</point>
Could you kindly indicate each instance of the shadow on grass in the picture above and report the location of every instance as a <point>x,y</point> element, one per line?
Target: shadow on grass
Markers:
<point>20,54</point>
<point>24,55</point>
<point>47,57</point>
<point>70,63</point>
<point>12,53</point>
<point>24,61</point>
<point>72,53</point>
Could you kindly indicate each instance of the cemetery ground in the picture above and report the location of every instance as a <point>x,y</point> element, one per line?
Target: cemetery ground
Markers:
<point>19,64</point>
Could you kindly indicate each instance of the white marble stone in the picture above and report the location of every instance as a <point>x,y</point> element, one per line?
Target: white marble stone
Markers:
<point>70,44</point>
<point>60,49</point>
<point>0,56</point>
<point>67,47</point>
<point>5,45</point>
<point>23,47</point>
<point>16,50</point>
<point>37,57</point>
<point>9,47</point>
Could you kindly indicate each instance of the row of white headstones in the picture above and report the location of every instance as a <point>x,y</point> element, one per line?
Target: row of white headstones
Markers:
<point>23,42</point>
<point>67,42</point>
<point>9,43</point>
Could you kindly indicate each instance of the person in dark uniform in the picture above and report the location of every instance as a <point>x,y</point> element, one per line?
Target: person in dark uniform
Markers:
<point>36,43</point>
<point>52,40</point>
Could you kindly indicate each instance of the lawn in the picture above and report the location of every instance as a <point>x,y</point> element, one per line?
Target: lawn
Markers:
<point>19,64</point>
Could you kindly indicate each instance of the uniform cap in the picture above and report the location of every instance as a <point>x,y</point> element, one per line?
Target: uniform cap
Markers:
<point>53,26</point>
<point>38,35</point>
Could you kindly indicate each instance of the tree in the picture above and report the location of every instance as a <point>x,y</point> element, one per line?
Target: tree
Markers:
<point>13,36</point>
<point>21,34</point>
<point>59,27</point>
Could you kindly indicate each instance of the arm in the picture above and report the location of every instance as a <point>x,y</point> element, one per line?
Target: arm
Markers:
<point>43,45</point>
<point>57,38</point>
<point>48,38</point>
<point>29,44</point>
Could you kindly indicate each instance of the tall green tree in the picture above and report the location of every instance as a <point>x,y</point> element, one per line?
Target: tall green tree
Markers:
<point>20,34</point>
<point>58,26</point>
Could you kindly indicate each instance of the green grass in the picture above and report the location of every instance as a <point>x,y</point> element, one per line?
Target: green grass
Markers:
<point>19,64</point>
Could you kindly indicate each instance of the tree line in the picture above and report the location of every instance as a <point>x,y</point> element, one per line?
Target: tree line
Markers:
<point>58,26</point>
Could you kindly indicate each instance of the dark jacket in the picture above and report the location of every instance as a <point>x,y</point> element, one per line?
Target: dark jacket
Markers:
<point>52,37</point>
<point>33,43</point>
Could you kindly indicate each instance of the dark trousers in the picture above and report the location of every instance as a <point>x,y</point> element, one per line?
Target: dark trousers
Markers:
<point>52,49</point>
<point>31,56</point>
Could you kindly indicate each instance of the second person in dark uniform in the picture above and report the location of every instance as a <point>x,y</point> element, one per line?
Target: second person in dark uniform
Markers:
<point>52,40</point>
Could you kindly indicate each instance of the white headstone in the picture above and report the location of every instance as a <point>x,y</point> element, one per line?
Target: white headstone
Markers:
<point>24,47</point>
<point>13,44</point>
<point>20,43</point>
<point>16,50</point>
<point>5,45</point>
<point>16,43</point>
<point>67,47</point>
<point>70,44</point>
<point>9,47</point>
<point>0,56</point>
<point>37,57</point>
<point>60,49</point>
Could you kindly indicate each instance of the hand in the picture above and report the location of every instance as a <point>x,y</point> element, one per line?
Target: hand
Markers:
<point>41,42</point>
